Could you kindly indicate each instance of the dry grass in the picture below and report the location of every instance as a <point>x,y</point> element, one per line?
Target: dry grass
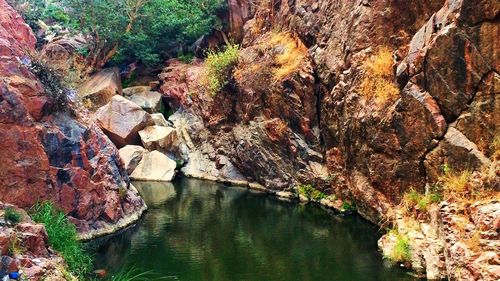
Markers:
<point>291,54</point>
<point>378,81</point>
<point>495,147</point>
<point>455,184</point>
<point>276,57</point>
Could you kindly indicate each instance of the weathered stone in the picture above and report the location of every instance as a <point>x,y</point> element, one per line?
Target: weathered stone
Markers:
<point>158,138</point>
<point>148,100</point>
<point>155,166</point>
<point>100,88</point>
<point>61,157</point>
<point>159,119</point>
<point>131,155</point>
<point>122,120</point>
<point>457,151</point>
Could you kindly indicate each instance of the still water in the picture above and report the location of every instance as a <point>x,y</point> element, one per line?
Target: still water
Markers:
<point>197,230</point>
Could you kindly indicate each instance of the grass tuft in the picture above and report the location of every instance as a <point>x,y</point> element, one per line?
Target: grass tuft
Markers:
<point>133,274</point>
<point>378,79</point>
<point>401,252</point>
<point>63,237</point>
<point>12,216</point>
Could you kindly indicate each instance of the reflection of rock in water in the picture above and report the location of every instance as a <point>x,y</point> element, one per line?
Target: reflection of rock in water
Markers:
<point>155,193</point>
<point>111,251</point>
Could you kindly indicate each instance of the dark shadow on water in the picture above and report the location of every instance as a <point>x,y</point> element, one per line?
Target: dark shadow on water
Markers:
<point>197,230</point>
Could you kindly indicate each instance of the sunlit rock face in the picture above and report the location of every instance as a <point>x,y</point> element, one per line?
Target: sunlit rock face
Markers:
<point>53,153</point>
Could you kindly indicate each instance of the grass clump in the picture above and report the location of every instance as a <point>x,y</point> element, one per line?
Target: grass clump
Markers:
<point>63,237</point>
<point>290,57</point>
<point>401,252</point>
<point>455,184</point>
<point>12,216</point>
<point>414,202</point>
<point>133,274</point>
<point>348,206</point>
<point>378,81</point>
<point>311,193</point>
<point>219,66</point>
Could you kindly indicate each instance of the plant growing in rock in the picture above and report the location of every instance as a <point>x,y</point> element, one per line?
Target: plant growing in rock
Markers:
<point>219,66</point>
<point>348,206</point>
<point>12,216</point>
<point>401,252</point>
<point>414,202</point>
<point>311,193</point>
<point>52,83</point>
<point>15,247</point>
<point>378,78</point>
<point>63,237</point>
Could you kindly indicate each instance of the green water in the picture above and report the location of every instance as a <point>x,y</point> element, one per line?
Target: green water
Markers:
<point>197,230</point>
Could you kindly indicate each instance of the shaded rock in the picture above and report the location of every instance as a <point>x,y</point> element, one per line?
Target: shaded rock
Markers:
<point>159,138</point>
<point>159,119</point>
<point>101,87</point>
<point>457,151</point>
<point>131,155</point>
<point>148,100</point>
<point>122,120</point>
<point>154,166</point>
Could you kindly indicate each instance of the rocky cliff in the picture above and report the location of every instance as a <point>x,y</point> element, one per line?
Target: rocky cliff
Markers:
<point>365,100</point>
<point>50,149</point>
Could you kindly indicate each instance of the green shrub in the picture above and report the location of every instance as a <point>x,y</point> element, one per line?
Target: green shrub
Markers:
<point>311,193</point>
<point>63,237</point>
<point>219,66</point>
<point>401,252</point>
<point>186,57</point>
<point>12,215</point>
<point>349,207</point>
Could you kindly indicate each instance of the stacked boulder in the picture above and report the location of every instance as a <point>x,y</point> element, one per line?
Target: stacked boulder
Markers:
<point>133,120</point>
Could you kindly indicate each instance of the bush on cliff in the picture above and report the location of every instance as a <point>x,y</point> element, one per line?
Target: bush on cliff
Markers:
<point>219,67</point>
<point>63,237</point>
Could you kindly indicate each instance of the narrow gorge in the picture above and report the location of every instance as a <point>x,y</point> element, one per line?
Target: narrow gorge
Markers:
<point>328,123</point>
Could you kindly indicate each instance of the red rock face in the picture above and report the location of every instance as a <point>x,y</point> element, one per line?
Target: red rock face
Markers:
<point>445,64</point>
<point>57,156</point>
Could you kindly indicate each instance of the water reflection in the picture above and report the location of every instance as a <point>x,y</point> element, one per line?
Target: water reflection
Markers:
<point>196,230</point>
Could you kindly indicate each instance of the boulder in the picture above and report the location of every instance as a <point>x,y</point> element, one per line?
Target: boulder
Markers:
<point>100,88</point>
<point>122,120</point>
<point>159,119</point>
<point>148,100</point>
<point>131,155</point>
<point>154,166</point>
<point>158,138</point>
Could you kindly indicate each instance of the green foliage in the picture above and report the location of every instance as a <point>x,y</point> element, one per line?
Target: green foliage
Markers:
<point>311,193</point>
<point>219,66</point>
<point>348,207</point>
<point>142,29</point>
<point>63,237</point>
<point>132,275</point>
<point>414,200</point>
<point>12,215</point>
<point>401,252</point>
<point>186,58</point>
